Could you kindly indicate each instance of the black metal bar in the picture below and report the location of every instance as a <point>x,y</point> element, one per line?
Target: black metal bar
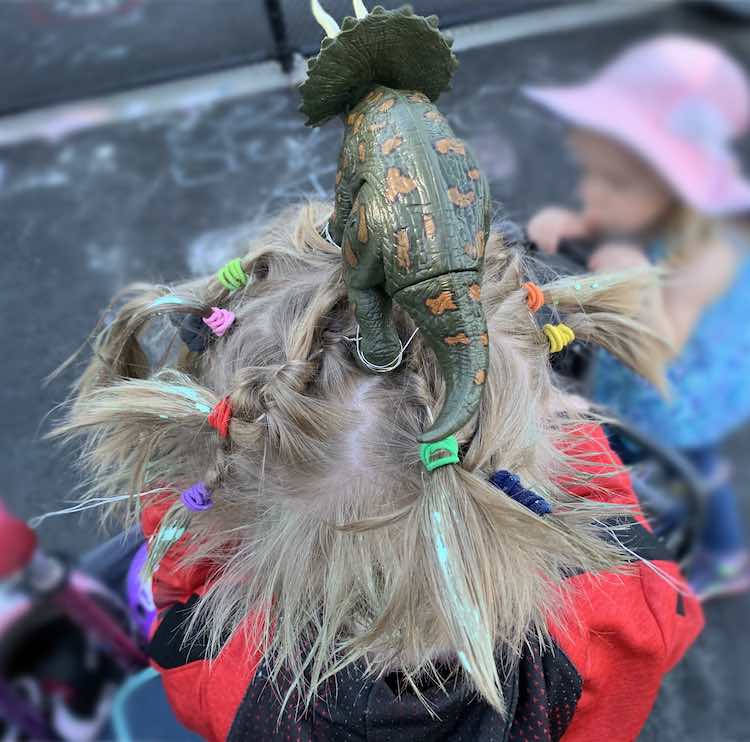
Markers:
<point>278,29</point>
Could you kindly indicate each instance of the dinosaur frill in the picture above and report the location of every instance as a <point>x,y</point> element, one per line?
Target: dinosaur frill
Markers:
<point>395,48</point>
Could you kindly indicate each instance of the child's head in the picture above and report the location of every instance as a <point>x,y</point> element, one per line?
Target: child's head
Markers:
<point>654,127</point>
<point>325,524</point>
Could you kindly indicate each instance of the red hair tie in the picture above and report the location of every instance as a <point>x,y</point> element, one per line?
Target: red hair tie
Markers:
<point>220,417</point>
<point>534,296</point>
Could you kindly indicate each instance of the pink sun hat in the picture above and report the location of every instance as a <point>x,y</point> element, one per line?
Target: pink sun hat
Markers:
<point>678,103</point>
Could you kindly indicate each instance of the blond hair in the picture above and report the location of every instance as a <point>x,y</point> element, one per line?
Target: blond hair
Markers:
<point>326,526</point>
<point>687,231</point>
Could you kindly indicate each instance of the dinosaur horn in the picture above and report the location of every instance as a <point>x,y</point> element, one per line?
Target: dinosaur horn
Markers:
<point>359,9</point>
<point>325,19</point>
<point>448,312</point>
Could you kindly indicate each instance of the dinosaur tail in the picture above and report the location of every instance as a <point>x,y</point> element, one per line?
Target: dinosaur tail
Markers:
<point>448,311</point>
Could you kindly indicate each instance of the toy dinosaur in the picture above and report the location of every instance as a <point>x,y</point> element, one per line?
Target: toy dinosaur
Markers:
<point>412,208</point>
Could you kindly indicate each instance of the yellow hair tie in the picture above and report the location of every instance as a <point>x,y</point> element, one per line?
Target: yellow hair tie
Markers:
<point>559,336</point>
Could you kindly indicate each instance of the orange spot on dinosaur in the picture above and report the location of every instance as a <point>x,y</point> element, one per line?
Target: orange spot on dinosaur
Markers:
<point>441,303</point>
<point>362,234</point>
<point>349,255</point>
<point>418,98</point>
<point>446,146</point>
<point>476,249</point>
<point>462,200</point>
<point>480,376</point>
<point>386,105</point>
<point>373,96</point>
<point>355,120</point>
<point>460,339</point>
<point>429,226</point>
<point>475,291</point>
<point>403,258</point>
<point>474,174</point>
<point>391,145</point>
<point>376,126</point>
<point>338,176</point>
<point>484,337</point>
<point>398,184</point>
<point>435,116</point>
<point>362,151</point>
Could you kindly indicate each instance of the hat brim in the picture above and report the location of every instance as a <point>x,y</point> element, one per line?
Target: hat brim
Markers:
<point>706,178</point>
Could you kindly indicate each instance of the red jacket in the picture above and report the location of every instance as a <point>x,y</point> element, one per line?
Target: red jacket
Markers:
<point>599,681</point>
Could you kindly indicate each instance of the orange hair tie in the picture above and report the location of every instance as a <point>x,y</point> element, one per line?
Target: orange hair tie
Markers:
<point>534,296</point>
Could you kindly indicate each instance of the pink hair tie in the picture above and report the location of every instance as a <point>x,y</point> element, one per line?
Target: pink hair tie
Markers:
<point>220,320</point>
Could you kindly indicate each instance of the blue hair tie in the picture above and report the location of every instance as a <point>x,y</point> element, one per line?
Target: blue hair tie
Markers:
<point>511,485</point>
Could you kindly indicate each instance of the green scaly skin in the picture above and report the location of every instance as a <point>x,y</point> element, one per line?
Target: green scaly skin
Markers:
<point>412,216</point>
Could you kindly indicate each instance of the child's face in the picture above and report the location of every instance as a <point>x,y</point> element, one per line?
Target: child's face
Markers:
<point>620,194</point>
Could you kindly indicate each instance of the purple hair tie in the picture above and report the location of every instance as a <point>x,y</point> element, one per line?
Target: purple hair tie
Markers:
<point>220,320</point>
<point>511,485</point>
<point>197,498</point>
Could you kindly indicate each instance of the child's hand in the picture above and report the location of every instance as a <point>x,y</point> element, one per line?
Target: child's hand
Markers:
<point>553,224</point>
<point>617,256</point>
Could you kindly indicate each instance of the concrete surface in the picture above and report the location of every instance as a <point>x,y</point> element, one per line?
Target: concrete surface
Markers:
<point>165,196</point>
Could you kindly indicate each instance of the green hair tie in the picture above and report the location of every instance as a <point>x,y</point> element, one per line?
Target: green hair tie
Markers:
<point>232,276</point>
<point>448,445</point>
